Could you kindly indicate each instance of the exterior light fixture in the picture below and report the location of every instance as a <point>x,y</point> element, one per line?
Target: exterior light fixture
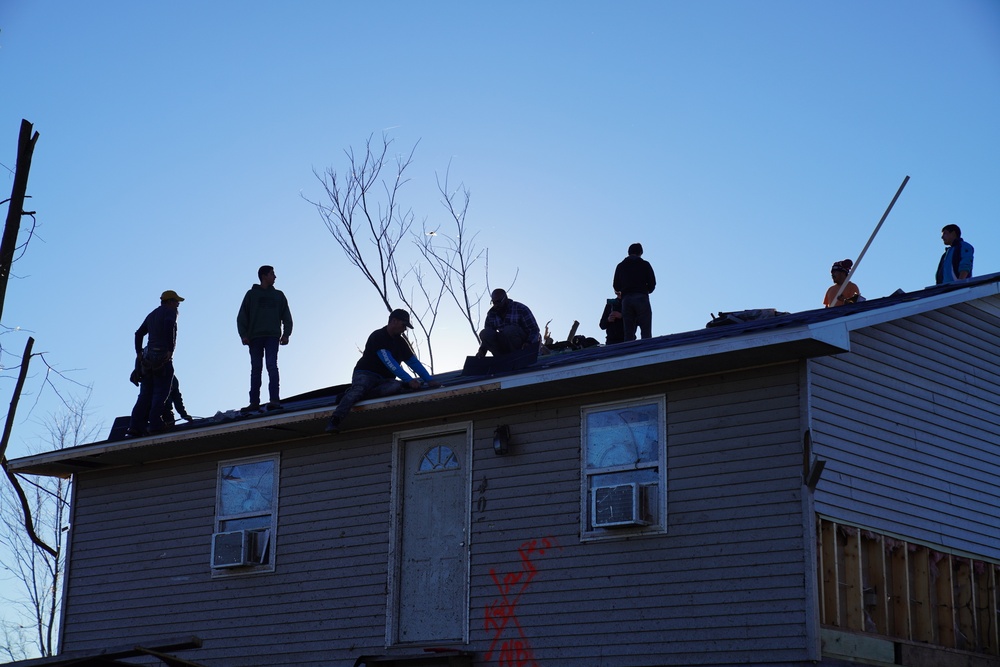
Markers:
<point>501,439</point>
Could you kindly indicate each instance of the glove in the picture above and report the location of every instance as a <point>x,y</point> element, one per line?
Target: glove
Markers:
<point>134,377</point>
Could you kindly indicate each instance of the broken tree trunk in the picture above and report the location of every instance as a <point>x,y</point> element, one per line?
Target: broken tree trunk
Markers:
<point>25,148</point>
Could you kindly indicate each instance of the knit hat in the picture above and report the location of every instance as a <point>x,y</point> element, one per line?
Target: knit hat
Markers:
<point>843,265</point>
<point>635,249</point>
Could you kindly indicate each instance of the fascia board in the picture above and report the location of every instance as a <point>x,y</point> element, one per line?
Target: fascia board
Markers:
<point>920,306</point>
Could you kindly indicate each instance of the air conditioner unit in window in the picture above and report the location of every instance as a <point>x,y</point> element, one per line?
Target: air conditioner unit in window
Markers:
<point>619,505</point>
<point>238,548</point>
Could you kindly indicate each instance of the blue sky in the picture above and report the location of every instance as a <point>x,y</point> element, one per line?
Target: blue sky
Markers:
<point>747,145</point>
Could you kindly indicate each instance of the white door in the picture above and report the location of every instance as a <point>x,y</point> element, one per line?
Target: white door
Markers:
<point>432,592</point>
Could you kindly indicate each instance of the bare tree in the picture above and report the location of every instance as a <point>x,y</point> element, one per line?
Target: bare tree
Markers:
<point>453,255</point>
<point>368,228</point>
<point>32,558</point>
<point>373,228</point>
<point>38,571</point>
<point>365,215</point>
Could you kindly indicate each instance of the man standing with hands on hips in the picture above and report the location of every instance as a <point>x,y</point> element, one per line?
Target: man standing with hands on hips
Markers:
<point>263,323</point>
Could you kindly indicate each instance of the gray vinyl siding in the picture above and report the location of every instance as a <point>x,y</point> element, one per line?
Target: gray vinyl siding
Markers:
<point>908,423</point>
<point>724,585</point>
<point>144,571</point>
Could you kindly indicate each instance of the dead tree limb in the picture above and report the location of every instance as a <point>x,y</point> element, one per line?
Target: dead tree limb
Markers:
<point>8,243</point>
<point>5,440</point>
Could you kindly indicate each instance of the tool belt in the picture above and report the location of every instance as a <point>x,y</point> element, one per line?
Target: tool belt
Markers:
<point>154,360</point>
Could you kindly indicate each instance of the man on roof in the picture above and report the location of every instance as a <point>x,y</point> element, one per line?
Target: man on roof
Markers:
<point>635,279</point>
<point>264,322</point>
<point>850,293</point>
<point>956,262</point>
<point>509,327</point>
<point>380,364</point>
<point>612,322</point>
<point>156,365</point>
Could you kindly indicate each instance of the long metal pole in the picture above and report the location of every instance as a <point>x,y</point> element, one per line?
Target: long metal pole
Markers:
<point>870,239</point>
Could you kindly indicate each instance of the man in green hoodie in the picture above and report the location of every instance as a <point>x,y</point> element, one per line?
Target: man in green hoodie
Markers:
<point>264,322</point>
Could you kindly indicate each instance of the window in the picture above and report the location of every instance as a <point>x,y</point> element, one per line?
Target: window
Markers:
<point>624,486</point>
<point>438,457</point>
<point>245,515</point>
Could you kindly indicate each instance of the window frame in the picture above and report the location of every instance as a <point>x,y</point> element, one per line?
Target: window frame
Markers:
<point>272,525</point>
<point>659,527</point>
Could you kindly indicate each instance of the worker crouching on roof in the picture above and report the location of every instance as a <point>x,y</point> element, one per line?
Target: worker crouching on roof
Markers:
<point>374,373</point>
<point>510,327</point>
<point>850,293</point>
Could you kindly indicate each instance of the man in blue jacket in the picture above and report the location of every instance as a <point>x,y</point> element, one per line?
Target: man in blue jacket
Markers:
<point>956,262</point>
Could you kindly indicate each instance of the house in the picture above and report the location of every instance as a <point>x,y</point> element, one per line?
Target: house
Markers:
<point>815,488</point>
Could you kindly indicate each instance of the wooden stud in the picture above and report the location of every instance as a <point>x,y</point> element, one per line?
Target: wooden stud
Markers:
<point>831,580</point>
<point>981,606</point>
<point>853,589</point>
<point>944,597</point>
<point>994,612</point>
<point>902,626</point>
<point>876,599</point>
<point>920,595</point>
<point>965,612</point>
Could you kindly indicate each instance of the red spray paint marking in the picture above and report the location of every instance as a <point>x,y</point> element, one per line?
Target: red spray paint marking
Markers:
<point>513,651</point>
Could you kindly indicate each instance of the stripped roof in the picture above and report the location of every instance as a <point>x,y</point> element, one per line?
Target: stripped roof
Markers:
<point>777,339</point>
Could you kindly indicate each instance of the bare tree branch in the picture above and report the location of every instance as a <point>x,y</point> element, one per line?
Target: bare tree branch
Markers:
<point>5,440</point>
<point>32,520</point>
<point>38,570</point>
<point>368,230</point>
<point>370,223</point>
<point>452,257</point>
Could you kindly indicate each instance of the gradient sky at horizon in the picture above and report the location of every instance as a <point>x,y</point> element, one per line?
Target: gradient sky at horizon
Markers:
<point>747,145</point>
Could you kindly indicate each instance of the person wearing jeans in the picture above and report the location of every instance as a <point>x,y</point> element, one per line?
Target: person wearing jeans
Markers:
<point>263,323</point>
<point>635,279</point>
<point>380,364</point>
<point>155,365</point>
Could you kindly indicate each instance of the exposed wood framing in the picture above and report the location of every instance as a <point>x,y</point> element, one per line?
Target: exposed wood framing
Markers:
<point>901,623</point>
<point>853,583</point>
<point>876,584</point>
<point>829,570</point>
<point>876,605</point>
